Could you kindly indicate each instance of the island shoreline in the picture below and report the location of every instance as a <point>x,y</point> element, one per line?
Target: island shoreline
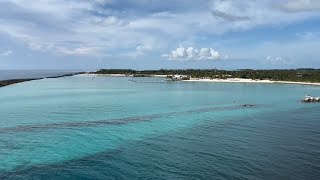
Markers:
<point>239,80</point>
<point>228,80</point>
<point>4,83</point>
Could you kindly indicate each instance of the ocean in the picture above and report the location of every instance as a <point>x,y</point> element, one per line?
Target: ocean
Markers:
<point>98,127</point>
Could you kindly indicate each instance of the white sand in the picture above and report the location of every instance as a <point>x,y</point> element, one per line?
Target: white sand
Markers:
<point>229,80</point>
<point>160,75</point>
<point>120,75</point>
<point>240,80</point>
<point>113,75</point>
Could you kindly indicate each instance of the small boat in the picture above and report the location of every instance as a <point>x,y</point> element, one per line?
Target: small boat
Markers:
<point>309,98</point>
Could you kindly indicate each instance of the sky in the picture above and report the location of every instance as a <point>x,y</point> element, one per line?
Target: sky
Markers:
<point>155,34</point>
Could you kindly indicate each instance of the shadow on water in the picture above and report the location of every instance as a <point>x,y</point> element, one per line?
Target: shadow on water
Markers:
<point>265,148</point>
<point>118,121</point>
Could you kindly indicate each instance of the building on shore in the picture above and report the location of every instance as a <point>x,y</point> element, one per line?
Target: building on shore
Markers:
<point>178,77</point>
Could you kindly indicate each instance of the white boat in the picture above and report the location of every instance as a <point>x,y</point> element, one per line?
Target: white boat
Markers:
<point>309,98</point>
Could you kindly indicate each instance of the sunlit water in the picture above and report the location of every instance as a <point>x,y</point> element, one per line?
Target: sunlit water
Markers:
<point>87,127</point>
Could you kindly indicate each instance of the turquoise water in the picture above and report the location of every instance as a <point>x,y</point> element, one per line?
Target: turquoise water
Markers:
<point>86,127</point>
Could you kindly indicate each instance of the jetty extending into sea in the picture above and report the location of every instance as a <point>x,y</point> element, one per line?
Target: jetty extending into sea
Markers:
<point>15,81</point>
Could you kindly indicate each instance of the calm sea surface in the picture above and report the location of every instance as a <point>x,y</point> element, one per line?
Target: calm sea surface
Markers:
<point>86,127</point>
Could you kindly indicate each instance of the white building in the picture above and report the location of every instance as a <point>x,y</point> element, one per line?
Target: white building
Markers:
<point>180,77</point>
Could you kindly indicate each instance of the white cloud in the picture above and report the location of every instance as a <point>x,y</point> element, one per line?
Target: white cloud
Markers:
<point>300,5</point>
<point>143,47</point>
<point>192,53</point>
<point>140,50</point>
<point>6,53</point>
<point>276,60</point>
<point>244,15</point>
<point>82,51</point>
<point>89,28</point>
<point>110,21</point>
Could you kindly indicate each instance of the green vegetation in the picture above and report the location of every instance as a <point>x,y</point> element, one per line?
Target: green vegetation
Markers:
<point>296,75</point>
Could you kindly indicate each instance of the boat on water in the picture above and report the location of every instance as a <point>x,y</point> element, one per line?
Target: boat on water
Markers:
<point>309,98</point>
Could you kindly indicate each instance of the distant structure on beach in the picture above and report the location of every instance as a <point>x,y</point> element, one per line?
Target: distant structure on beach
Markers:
<point>178,77</point>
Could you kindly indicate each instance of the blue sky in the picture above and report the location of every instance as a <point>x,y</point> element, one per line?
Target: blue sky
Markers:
<point>154,34</point>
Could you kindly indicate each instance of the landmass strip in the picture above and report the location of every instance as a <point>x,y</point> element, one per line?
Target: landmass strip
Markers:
<point>290,76</point>
<point>15,81</point>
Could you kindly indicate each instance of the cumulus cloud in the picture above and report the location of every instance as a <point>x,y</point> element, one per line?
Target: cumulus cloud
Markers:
<point>6,53</point>
<point>192,53</point>
<point>300,5</point>
<point>276,60</point>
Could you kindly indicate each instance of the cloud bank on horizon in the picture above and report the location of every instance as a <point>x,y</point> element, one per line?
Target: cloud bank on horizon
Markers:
<point>146,34</point>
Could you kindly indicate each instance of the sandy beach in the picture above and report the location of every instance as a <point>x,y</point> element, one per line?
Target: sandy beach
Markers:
<point>160,76</point>
<point>94,74</point>
<point>120,75</point>
<point>240,80</point>
<point>229,80</point>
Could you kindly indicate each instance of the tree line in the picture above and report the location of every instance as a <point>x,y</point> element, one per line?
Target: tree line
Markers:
<point>298,75</point>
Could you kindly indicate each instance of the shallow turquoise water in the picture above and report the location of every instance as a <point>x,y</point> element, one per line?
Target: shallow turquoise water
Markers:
<point>111,127</point>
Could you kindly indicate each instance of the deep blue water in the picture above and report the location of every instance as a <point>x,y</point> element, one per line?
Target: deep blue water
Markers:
<point>86,127</point>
